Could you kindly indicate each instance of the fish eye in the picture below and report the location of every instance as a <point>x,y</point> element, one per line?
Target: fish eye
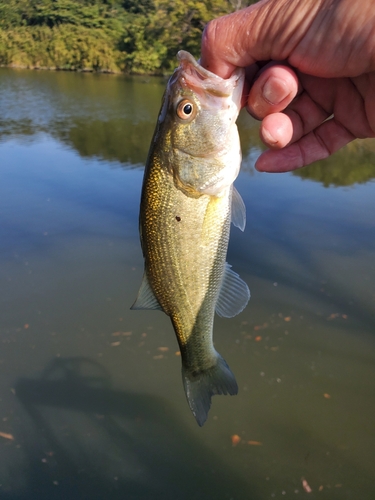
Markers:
<point>186,110</point>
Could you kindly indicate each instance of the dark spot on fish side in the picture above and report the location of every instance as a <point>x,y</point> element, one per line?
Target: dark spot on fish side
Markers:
<point>178,219</point>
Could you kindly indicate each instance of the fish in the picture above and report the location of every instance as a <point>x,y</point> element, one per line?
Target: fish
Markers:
<point>188,202</point>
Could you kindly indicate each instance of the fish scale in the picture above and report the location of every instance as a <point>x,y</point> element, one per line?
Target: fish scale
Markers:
<point>177,252</point>
<point>187,204</point>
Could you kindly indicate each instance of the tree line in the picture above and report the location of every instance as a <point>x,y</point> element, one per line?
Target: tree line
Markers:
<point>133,36</point>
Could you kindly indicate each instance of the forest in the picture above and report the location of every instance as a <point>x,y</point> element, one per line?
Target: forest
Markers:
<point>132,36</point>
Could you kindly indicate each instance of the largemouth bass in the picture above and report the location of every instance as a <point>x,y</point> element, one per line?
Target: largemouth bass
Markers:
<point>188,202</point>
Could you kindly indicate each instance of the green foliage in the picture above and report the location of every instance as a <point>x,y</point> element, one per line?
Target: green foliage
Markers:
<point>61,47</point>
<point>139,36</point>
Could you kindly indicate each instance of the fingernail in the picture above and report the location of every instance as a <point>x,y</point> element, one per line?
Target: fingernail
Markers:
<point>274,90</point>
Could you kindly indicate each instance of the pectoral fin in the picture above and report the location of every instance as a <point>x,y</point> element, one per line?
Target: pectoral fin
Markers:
<point>146,298</point>
<point>234,294</point>
<point>238,210</point>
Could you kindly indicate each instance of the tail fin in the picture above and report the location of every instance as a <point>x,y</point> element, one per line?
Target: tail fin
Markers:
<point>201,387</point>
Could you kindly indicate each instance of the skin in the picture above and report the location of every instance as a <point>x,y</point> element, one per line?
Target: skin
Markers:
<point>310,67</point>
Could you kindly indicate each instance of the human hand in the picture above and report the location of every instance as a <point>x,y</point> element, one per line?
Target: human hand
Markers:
<point>322,95</point>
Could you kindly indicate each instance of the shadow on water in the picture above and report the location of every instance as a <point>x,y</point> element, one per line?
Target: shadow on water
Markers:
<point>93,441</point>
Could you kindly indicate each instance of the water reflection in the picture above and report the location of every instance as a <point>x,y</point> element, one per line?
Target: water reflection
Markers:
<point>116,140</point>
<point>107,418</point>
<point>116,116</point>
<point>355,164</point>
<point>107,118</point>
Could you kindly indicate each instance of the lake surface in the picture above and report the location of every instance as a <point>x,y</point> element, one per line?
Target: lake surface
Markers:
<point>92,403</point>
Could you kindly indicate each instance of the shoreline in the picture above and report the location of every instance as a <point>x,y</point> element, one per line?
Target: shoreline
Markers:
<point>82,70</point>
<point>56,68</point>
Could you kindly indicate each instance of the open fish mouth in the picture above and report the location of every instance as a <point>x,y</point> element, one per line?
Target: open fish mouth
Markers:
<point>199,79</point>
<point>188,63</point>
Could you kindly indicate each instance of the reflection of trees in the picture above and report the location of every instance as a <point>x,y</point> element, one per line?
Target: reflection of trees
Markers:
<point>113,118</point>
<point>106,117</point>
<point>354,164</point>
<point>128,141</point>
<point>118,139</point>
<point>248,128</point>
<point>10,128</point>
<point>115,140</point>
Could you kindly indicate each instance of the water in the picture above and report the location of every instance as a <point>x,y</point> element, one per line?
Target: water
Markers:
<point>92,404</point>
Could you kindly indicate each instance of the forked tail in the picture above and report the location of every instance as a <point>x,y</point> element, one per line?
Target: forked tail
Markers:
<point>199,388</point>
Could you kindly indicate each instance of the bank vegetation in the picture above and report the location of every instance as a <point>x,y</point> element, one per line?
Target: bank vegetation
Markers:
<point>133,36</point>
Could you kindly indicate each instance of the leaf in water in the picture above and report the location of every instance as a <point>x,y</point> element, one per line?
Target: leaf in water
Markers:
<point>235,439</point>
<point>121,334</point>
<point>260,327</point>
<point>5,435</point>
<point>333,316</point>
<point>306,486</point>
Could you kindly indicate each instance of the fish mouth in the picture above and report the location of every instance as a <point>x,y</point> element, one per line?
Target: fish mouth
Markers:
<point>197,78</point>
<point>190,64</point>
